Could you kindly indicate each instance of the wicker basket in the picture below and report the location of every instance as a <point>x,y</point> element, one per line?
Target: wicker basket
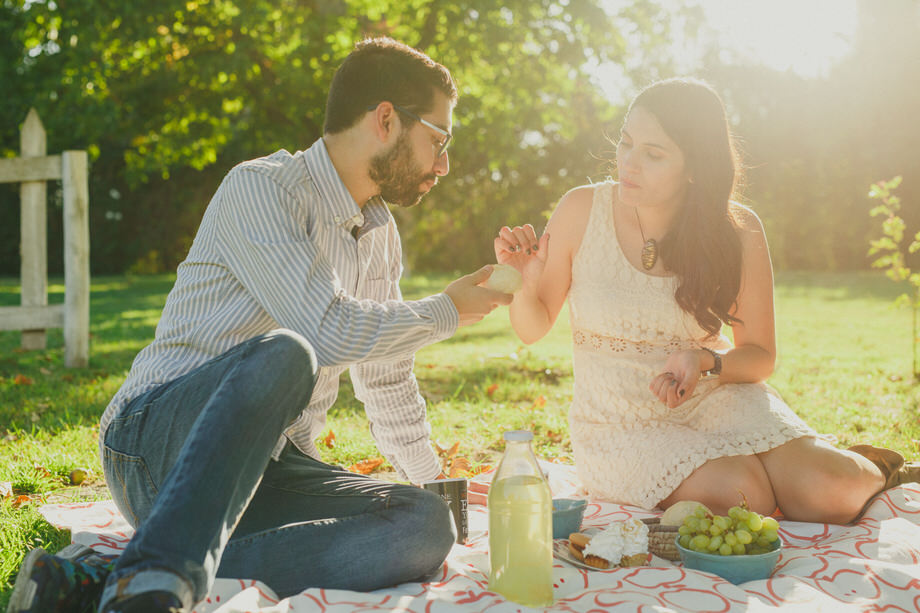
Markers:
<point>661,539</point>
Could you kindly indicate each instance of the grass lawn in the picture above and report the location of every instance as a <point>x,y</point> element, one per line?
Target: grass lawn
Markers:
<point>845,360</point>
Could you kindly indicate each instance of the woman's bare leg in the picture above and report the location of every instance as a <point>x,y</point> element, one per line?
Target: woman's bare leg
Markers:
<point>720,483</point>
<point>816,482</point>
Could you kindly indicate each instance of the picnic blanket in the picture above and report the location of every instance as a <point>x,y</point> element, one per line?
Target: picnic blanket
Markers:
<point>873,565</point>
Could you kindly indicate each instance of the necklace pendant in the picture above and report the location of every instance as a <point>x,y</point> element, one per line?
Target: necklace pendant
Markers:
<point>649,254</point>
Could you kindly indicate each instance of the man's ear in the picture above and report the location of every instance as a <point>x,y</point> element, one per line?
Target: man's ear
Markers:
<point>386,123</point>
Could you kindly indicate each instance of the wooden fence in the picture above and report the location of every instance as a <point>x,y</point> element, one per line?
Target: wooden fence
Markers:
<point>32,170</point>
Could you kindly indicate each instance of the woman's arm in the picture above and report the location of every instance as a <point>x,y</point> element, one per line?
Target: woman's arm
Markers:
<point>754,354</point>
<point>545,265</point>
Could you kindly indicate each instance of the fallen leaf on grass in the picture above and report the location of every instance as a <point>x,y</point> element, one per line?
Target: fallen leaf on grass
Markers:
<point>447,453</point>
<point>491,389</point>
<point>555,437</point>
<point>20,500</point>
<point>22,380</point>
<point>329,440</point>
<point>459,467</point>
<point>366,467</point>
<point>539,403</point>
<point>482,468</point>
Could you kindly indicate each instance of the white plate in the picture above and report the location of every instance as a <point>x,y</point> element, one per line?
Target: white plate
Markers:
<point>561,551</point>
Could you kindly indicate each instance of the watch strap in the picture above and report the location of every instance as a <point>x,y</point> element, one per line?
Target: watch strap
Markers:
<point>717,366</point>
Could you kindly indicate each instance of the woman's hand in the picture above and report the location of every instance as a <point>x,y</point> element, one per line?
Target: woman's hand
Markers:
<point>677,382</point>
<point>519,247</point>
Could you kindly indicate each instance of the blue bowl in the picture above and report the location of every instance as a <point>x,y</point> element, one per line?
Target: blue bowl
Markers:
<point>737,569</point>
<point>567,516</point>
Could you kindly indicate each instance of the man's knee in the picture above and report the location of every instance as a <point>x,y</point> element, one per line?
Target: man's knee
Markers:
<point>284,352</point>
<point>288,346</point>
<point>432,531</point>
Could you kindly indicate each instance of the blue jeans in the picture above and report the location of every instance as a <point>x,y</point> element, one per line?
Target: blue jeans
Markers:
<point>189,466</point>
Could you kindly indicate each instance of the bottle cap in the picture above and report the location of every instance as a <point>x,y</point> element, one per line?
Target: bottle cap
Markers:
<point>517,436</point>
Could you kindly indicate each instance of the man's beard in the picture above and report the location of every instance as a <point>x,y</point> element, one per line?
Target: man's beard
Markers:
<point>397,175</point>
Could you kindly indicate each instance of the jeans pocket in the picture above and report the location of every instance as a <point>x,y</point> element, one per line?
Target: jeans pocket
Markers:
<point>133,490</point>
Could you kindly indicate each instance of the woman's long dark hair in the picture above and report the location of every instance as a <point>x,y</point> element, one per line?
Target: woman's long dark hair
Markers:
<point>702,247</point>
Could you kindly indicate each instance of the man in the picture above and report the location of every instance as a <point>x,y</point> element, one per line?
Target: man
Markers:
<point>292,278</point>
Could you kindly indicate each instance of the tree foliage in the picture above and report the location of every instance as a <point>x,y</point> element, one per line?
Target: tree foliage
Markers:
<point>168,96</point>
<point>812,145</point>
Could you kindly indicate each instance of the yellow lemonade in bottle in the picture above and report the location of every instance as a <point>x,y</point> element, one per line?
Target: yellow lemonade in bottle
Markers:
<point>521,538</point>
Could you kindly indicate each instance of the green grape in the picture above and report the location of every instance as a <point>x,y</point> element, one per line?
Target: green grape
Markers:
<point>699,542</point>
<point>740,532</point>
<point>714,543</point>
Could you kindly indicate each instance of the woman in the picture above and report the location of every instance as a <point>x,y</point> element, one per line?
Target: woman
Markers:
<point>665,408</point>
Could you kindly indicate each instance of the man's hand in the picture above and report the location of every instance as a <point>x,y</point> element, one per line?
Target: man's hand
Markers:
<point>472,301</point>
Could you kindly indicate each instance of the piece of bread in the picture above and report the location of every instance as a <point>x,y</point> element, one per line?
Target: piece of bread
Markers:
<point>578,542</point>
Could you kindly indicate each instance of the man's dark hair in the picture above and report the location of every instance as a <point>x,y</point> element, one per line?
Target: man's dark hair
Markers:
<point>384,69</point>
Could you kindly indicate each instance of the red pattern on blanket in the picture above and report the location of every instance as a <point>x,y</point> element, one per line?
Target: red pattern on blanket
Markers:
<point>872,565</point>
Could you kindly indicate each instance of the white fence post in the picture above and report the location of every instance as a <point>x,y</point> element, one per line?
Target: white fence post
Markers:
<point>33,248</point>
<point>76,258</point>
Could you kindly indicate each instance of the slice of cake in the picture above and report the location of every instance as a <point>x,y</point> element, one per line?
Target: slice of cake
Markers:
<point>622,543</point>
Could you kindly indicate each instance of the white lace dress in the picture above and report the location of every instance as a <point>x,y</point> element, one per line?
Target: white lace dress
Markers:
<point>629,447</point>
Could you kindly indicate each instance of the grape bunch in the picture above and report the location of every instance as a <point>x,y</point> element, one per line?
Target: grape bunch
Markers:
<point>742,532</point>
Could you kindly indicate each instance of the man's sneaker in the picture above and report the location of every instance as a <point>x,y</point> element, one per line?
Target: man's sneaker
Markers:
<point>147,602</point>
<point>69,582</point>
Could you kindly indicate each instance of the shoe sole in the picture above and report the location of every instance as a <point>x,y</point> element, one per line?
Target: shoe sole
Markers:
<point>24,590</point>
<point>23,595</point>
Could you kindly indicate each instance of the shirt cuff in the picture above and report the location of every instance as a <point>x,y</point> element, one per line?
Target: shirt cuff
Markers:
<point>418,462</point>
<point>444,313</point>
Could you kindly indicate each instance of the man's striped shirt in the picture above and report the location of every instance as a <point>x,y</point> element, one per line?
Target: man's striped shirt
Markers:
<point>275,249</point>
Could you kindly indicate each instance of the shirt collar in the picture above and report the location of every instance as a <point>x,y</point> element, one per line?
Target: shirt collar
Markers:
<point>340,208</point>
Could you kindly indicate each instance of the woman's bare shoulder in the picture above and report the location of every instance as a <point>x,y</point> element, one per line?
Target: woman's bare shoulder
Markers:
<point>570,218</point>
<point>576,203</point>
<point>745,218</point>
<point>750,228</point>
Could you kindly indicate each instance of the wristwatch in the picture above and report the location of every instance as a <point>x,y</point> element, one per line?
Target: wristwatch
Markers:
<point>717,366</point>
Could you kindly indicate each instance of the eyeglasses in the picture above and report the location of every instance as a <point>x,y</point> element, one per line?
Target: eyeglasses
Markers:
<point>442,145</point>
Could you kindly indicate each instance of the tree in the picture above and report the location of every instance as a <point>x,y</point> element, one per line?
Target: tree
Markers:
<point>167,97</point>
<point>812,145</point>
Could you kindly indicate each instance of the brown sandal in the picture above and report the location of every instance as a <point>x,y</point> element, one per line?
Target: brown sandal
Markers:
<point>895,470</point>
